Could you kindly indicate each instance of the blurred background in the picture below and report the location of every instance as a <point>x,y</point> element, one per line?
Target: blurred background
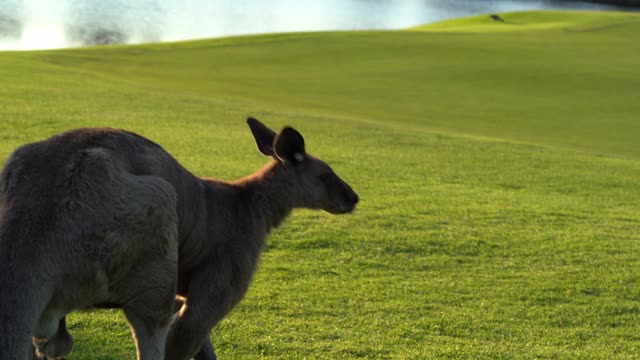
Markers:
<point>45,24</point>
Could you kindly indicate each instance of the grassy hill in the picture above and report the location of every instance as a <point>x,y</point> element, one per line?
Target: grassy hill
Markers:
<point>497,165</point>
<point>558,21</point>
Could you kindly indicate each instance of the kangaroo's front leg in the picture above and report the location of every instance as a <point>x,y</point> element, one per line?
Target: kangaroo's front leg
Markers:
<point>206,351</point>
<point>207,303</point>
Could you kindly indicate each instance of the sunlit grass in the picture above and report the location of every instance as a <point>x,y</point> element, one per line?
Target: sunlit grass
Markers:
<point>536,21</point>
<point>498,176</point>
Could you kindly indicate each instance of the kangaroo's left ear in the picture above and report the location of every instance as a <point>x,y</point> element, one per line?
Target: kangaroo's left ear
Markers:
<point>289,146</point>
<point>263,135</point>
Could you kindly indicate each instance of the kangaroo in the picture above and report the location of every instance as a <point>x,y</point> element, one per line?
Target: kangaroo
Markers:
<point>107,218</point>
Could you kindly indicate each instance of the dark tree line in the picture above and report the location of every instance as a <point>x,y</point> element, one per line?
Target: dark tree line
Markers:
<point>10,18</point>
<point>94,22</point>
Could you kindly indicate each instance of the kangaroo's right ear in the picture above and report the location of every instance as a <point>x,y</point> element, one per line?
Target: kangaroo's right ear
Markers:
<point>263,135</point>
<point>289,146</point>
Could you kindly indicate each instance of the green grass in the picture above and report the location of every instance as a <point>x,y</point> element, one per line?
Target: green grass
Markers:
<point>537,21</point>
<point>498,170</point>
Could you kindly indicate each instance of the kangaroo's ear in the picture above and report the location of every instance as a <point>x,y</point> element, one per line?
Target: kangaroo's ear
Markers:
<point>289,146</point>
<point>264,136</point>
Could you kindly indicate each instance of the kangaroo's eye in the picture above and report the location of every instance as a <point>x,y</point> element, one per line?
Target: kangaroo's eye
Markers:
<point>325,178</point>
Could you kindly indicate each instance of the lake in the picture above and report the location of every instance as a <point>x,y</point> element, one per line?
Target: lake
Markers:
<point>41,24</point>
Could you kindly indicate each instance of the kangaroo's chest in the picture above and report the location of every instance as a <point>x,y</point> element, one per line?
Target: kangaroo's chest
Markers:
<point>226,272</point>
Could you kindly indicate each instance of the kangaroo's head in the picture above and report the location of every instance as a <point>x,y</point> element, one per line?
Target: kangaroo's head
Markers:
<point>310,181</point>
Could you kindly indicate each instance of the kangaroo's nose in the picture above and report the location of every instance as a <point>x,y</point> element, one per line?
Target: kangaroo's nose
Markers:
<point>354,198</point>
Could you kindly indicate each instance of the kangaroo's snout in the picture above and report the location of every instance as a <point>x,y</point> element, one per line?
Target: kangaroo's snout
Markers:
<point>350,196</point>
<point>354,198</point>
<point>345,201</point>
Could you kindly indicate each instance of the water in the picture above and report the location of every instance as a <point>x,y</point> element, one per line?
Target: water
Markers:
<point>46,24</point>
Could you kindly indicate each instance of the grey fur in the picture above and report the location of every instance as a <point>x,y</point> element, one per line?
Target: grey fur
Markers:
<point>103,217</point>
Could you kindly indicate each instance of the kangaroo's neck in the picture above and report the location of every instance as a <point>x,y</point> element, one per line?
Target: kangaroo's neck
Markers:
<point>260,201</point>
<point>268,194</point>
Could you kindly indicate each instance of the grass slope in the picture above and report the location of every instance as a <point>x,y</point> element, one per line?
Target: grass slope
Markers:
<point>558,21</point>
<point>497,170</point>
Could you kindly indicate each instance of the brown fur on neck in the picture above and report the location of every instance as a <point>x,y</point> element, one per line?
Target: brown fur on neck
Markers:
<point>265,193</point>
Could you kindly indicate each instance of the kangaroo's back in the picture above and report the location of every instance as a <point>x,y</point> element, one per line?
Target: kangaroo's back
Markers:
<point>78,213</point>
<point>40,180</point>
<point>44,184</point>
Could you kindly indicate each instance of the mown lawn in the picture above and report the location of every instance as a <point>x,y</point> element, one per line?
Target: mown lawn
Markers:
<point>497,164</point>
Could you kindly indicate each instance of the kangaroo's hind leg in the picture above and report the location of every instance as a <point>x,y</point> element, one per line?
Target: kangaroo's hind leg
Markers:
<point>148,302</point>
<point>55,347</point>
<point>147,291</point>
<point>149,326</point>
